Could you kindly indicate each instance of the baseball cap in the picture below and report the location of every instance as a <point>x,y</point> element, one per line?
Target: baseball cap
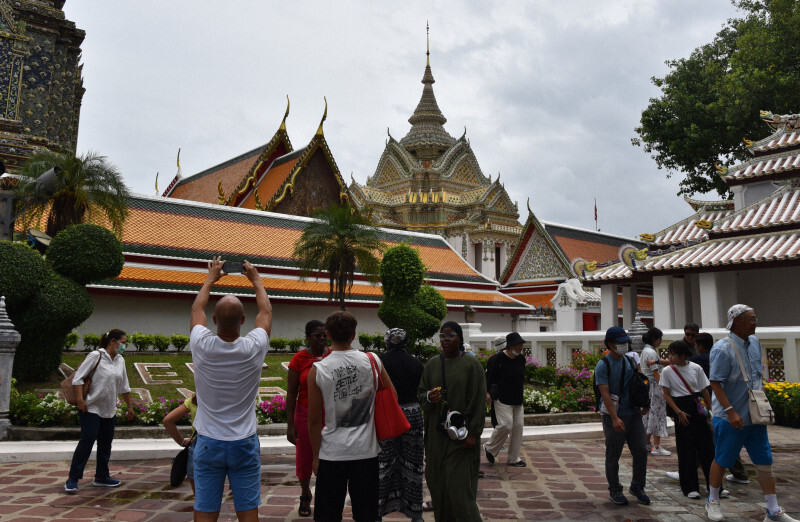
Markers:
<point>617,334</point>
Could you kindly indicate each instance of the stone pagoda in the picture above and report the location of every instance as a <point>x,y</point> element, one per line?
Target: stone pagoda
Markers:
<point>431,182</point>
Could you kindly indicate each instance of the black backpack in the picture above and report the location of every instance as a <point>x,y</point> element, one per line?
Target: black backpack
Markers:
<point>639,388</point>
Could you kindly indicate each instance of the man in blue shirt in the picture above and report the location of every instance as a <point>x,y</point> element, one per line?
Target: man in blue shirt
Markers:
<point>621,422</point>
<point>732,426</point>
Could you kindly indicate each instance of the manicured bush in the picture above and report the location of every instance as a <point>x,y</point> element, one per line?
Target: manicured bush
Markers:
<point>86,253</point>
<point>403,270</point>
<point>423,351</point>
<point>179,341</point>
<point>545,375</point>
<point>141,341</point>
<point>295,344</point>
<point>91,341</point>
<point>22,271</point>
<point>161,342</point>
<point>278,344</point>
<point>71,340</point>
<point>365,340</point>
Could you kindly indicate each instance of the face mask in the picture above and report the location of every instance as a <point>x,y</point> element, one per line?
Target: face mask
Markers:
<point>121,349</point>
<point>515,353</point>
<point>622,349</point>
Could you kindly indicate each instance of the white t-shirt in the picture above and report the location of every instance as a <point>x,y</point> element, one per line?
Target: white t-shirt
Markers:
<point>347,384</point>
<point>649,354</point>
<point>226,377</point>
<point>109,380</point>
<point>692,373</point>
<point>634,356</point>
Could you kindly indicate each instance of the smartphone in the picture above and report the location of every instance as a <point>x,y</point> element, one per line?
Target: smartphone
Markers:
<point>233,267</point>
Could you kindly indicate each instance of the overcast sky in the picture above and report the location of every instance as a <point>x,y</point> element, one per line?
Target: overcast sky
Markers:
<point>549,92</point>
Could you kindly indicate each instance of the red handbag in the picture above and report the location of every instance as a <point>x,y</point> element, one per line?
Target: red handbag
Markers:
<point>390,421</point>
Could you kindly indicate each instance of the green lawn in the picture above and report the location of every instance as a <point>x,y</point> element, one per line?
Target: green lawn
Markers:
<point>177,364</point>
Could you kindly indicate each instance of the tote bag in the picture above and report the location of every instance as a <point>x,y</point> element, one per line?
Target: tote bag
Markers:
<point>390,421</point>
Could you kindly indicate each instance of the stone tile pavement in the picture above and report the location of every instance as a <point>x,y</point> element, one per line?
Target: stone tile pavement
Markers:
<point>564,480</point>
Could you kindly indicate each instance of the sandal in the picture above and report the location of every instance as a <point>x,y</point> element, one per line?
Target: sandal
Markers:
<point>427,505</point>
<point>305,506</point>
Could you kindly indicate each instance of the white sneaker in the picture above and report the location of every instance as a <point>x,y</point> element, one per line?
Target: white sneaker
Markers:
<point>694,495</point>
<point>779,516</point>
<point>724,493</point>
<point>674,475</point>
<point>713,511</point>
<point>658,451</point>
<point>731,478</point>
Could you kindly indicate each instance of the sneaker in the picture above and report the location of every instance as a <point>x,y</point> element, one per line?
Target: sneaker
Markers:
<point>739,480</point>
<point>618,498</point>
<point>489,456</point>
<point>640,495</point>
<point>518,464</point>
<point>694,494</point>
<point>780,515</point>
<point>674,475</point>
<point>658,451</point>
<point>713,511</point>
<point>724,493</point>
<point>71,486</point>
<point>107,482</point>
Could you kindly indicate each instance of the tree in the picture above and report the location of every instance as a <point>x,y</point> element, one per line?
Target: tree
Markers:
<point>408,302</point>
<point>710,101</point>
<point>339,241</point>
<point>87,187</point>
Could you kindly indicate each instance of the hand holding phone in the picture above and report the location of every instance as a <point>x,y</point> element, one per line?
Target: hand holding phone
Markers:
<point>233,267</point>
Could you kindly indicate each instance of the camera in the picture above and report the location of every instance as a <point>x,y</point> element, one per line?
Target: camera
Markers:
<point>454,425</point>
<point>233,267</point>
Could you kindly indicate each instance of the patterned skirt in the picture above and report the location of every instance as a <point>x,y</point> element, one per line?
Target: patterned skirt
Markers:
<point>400,468</point>
<point>655,422</point>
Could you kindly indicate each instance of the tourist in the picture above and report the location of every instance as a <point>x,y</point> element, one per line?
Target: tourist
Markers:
<point>297,407</point>
<point>97,412</point>
<point>622,423</point>
<point>452,453</point>
<point>401,460</point>
<point>732,426</point>
<point>345,450</point>
<point>690,331</point>
<point>505,379</point>
<point>655,421</point>
<point>704,344</point>
<point>170,422</point>
<point>227,371</point>
<point>684,383</point>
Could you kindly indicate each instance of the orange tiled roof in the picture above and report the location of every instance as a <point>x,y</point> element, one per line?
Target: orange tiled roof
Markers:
<point>203,186</point>
<point>543,300</point>
<point>271,182</point>
<point>643,303</point>
<point>588,250</point>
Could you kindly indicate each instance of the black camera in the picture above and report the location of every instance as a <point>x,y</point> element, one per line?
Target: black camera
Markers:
<point>233,267</point>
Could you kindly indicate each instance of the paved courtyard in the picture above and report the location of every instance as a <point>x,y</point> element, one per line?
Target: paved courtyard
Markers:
<point>564,480</point>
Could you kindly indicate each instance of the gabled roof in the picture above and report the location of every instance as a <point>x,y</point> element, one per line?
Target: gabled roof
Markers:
<point>687,231</point>
<point>535,247</point>
<point>776,157</point>
<point>167,244</point>
<point>587,244</point>
<point>779,210</point>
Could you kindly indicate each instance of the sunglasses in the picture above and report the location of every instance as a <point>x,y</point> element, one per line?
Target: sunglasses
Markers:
<point>451,335</point>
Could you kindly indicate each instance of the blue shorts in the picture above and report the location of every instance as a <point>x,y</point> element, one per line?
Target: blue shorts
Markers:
<point>239,460</point>
<point>729,442</point>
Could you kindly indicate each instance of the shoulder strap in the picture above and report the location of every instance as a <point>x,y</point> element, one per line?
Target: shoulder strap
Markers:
<point>735,349</point>
<point>375,375</point>
<point>99,356</point>
<point>680,376</point>
<point>444,380</point>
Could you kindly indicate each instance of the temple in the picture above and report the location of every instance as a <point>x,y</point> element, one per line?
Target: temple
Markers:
<point>41,86</point>
<point>273,177</point>
<point>740,251</point>
<point>431,182</point>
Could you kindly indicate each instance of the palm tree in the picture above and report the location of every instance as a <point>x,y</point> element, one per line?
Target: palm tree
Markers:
<point>86,187</point>
<point>339,241</point>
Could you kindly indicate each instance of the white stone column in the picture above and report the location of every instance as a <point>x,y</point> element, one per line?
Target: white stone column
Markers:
<point>608,306</point>
<point>680,314</point>
<point>629,304</point>
<point>662,303</point>
<point>711,314</point>
<point>9,339</point>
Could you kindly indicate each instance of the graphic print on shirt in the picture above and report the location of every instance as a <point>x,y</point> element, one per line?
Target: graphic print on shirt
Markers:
<point>351,410</point>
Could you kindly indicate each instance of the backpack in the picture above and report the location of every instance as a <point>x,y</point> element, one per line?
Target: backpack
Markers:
<point>639,387</point>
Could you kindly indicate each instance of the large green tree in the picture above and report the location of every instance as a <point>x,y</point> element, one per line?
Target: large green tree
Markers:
<point>87,188</point>
<point>340,242</point>
<point>711,100</point>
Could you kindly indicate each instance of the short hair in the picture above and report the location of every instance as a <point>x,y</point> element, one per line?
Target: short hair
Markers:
<point>691,326</point>
<point>115,334</point>
<point>680,348</point>
<point>313,325</point>
<point>341,326</point>
<point>652,335</point>
<point>706,340</point>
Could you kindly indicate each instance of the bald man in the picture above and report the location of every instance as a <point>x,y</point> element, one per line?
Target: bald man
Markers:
<point>227,370</point>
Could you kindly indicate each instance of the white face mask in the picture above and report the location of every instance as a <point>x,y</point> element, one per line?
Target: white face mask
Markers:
<point>121,349</point>
<point>622,349</point>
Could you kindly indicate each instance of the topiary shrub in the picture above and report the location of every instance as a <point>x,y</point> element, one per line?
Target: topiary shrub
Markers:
<point>278,344</point>
<point>407,304</point>
<point>71,340</point>
<point>365,340</point>
<point>22,271</point>
<point>179,341</point>
<point>141,341</point>
<point>161,342</point>
<point>86,253</point>
<point>91,341</point>
<point>295,344</point>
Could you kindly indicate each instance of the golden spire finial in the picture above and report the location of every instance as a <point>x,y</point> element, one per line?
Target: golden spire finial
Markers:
<point>157,184</point>
<point>324,117</point>
<point>283,123</point>
<point>428,38</point>
<point>179,159</point>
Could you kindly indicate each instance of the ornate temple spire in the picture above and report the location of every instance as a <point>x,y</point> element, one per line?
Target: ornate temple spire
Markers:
<point>427,131</point>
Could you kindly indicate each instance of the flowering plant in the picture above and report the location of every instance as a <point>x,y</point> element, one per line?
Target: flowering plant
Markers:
<point>272,410</point>
<point>784,397</point>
